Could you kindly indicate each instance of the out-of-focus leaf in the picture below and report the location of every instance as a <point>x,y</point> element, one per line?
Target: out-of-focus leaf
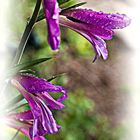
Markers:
<point>74,6</point>
<point>55,76</point>
<point>19,107</point>
<point>14,101</point>
<point>62,1</point>
<point>26,65</point>
<point>27,71</point>
<point>41,15</point>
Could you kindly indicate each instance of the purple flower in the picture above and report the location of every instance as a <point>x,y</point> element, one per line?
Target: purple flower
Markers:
<point>94,26</point>
<point>21,125</point>
<point>51,10</point>
<point>39,118</point>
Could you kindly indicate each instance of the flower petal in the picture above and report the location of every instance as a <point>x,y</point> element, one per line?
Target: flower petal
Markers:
<point>104,20</point>
<point>51,10</point>
<point>48,122</point>
<point>98,43</point>
<point>100,46</point>
<point>53,104</point>
<point>26,115</point>
<point>39,138</point>
<point>43,119</point>
<point>38,85</point>
<point>94,30</point>
<point>24,128</point>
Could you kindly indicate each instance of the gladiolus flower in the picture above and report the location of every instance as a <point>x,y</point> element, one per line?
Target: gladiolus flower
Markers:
<point>39,120</point>
<point>94,26</point>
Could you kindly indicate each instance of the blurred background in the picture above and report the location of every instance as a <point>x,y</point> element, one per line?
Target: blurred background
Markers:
<point>99,92</point>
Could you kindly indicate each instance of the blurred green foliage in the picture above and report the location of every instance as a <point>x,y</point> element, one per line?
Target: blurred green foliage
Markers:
<point>79,120</point>
<point>62,1</point>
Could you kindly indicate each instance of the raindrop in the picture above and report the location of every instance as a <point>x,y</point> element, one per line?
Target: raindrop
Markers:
<point>109,16</point>
<point>21,119</point>
<point>91,15</point>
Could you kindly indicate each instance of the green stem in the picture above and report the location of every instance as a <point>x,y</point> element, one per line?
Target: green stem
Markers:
<point>15,135</point>
<point>27,33</point>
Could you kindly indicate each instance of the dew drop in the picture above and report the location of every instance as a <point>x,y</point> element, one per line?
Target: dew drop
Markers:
<point>21,119</point>
<point>91,15</point>
<point>109,16</point>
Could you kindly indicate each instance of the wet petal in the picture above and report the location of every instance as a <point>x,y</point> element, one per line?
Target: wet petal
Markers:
<point>26,115</point>
<point>104,20</point>
<point>47,119</point>
<point>51,10</point>
<point>98,43</point>
<point>38,85</point>
<point>53,104</point>
<point>93,29</point>
<point>100,46</point>
<point>43,119</point>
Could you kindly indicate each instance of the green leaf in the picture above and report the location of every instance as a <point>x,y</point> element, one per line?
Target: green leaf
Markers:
<point>26,65</point>
<point>28,71</point>
<point>55,76</point>
<point>19,107</point>
<point>74,6</point>
<point>62,1</point>
<point>41,15</point>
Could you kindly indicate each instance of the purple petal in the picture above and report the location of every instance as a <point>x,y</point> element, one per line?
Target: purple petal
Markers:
<point>51,10</point>
<point>94,30</point>
<point>26,115</point>
<point>24,128</point>
<point>39,138</point>
<point>38,85</point>
<point>33,105</point>
<point>48,122</point>
<point>98,43</point>
<point>53,104</point>
<point>104,20</point>
<point>100,46</point>
<point>43,119</point>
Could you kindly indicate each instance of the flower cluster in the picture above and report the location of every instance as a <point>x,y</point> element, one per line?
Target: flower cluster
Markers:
<point>94,26</point>
<point>37,121</point>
